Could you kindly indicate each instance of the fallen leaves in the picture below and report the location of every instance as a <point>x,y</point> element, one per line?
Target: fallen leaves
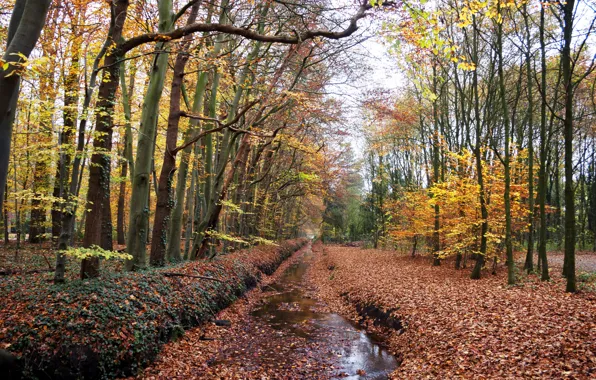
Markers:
<point>456,327</point>
<point>117,324</point>
<point>249,348</point>
<point>254,347</point>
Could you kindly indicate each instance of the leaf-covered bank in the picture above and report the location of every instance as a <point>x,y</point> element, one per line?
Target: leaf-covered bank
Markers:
<point>115,325</point>
<point>278,330</point>
<point>454,327</point>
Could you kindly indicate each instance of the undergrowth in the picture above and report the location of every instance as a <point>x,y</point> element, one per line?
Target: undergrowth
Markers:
<point>113,326</point>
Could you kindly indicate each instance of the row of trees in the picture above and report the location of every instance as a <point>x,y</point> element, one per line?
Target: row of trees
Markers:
<point>198,121</point>
<point>491,144</point>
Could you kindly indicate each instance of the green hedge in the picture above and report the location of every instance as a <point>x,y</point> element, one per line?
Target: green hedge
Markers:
<point>113,326</point>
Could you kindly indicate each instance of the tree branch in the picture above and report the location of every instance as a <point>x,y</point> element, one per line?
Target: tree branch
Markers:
<point>221,124</point>
<point>296,38</point>
<point>172,274</point>
<point>184,9</point>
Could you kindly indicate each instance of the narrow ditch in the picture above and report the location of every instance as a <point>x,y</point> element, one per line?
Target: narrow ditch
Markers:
<point>288,308</point>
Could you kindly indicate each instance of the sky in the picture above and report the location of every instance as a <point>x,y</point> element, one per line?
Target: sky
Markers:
<point>382,73</point>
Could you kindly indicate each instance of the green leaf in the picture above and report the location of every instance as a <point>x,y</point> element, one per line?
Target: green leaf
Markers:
<point>95,251</point>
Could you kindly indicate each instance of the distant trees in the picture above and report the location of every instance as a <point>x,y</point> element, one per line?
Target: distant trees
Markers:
<point>342,219</point>
<point>491,82</point>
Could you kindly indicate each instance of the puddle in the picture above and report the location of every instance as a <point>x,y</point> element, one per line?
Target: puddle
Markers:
<point>289,310</point>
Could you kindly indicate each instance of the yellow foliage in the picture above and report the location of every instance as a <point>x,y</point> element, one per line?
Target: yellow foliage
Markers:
<point>95,251</point>
<point>458,198</point>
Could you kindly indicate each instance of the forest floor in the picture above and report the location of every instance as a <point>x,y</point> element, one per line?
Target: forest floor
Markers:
<point>455,327</point>
<point>41,258</point>
<point>584,261</point>
<point>449,326</point>
<point>253,347</point>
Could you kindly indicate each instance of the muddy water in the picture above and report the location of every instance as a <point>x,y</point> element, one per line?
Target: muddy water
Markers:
<point>289,309</point>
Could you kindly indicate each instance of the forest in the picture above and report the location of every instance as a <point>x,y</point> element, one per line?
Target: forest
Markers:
<point>247,189</point>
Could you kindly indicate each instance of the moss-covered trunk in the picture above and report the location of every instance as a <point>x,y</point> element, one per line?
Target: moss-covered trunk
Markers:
<point>138,228</point>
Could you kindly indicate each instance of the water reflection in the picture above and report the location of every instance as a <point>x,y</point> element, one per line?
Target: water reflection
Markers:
<point>289,309</point>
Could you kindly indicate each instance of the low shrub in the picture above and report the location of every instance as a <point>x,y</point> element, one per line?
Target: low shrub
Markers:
<point>112,326</point>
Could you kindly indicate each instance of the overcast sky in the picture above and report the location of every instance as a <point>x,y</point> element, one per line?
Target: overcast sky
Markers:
<point>382,73</point>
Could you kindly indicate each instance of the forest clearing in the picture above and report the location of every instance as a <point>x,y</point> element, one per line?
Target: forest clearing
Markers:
<point>312,189</point>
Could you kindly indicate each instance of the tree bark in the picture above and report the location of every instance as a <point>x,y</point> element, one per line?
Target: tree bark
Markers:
<point>26,22</point>
<point>44,155</point>
<point>98,194</point>
<point>476,271</point>
<point>175,230</point>
<point>165,199</point>
<point>529,263</point>
<point>5,216</point>
<point>78,165</point>
<point>542,171</point>
<point>219,190</point>
<point>126,160</point>
<point>436,168</point>
<point>213,216</point>
<point>506,163</point>
<point>138,226</point>
<point>569,264</point>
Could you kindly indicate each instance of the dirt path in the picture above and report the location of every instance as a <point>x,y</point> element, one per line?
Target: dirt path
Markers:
<point>584,261</point>
<point>276,332</point>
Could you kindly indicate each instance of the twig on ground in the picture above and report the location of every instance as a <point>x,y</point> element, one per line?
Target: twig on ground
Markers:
<point>172,274</point>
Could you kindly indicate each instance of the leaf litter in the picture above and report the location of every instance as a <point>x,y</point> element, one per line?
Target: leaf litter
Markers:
<point>455,327</point>
<point>252,348</point>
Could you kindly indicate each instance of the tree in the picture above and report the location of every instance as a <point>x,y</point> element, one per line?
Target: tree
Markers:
<point>26,22</point>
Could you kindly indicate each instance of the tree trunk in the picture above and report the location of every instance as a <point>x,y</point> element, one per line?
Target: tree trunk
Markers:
<point>529,263</point>
<point>165,198</point>
<point>41,173</point>
<point>126,160</point>
<point>213,215</point>
<point>26,22</point>
<point>138,226</point>
<point>120,233</point>
<point>476,271</point>
<point>175,228</point>
<point>98,193</point>
<point>506,163</point>
<point>78,164</point>
<point>542,172</point>
<point>436,163</point>
<point>592,196</point>
<point>193,205</point>
<point>70,116</point>
<point>5,216</point>
<point>44,155</point>
<point>569,265</point>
